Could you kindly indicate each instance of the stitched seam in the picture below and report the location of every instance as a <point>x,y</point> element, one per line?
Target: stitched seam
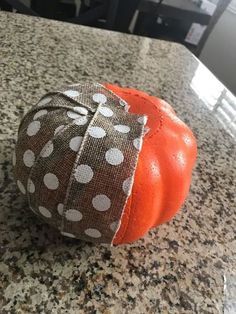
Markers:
<point>155,106</point>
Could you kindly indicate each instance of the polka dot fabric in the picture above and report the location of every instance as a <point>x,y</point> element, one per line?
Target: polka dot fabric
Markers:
<point>75,160</point>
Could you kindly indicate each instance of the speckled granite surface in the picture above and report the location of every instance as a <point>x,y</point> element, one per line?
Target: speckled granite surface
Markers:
<point>177,268</point>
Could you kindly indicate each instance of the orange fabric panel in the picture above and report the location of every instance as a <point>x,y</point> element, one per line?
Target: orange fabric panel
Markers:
<point>164,168</point>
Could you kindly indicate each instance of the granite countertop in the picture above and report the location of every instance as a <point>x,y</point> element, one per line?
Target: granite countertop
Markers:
<point>184,266</point>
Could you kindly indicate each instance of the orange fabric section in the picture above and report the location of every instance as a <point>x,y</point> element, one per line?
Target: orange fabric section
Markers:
<point>163,174</point>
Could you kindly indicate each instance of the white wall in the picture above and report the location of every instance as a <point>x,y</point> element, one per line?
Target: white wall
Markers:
<point>219,52</point>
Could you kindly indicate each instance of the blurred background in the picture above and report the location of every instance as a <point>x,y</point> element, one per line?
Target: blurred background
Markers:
<point>205,27</point>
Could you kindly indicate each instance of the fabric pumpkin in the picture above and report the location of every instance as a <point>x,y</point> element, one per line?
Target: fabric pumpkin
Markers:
<point>80,161</point>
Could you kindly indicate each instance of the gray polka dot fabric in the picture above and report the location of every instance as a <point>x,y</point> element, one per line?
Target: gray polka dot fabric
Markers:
<point>75,160</point>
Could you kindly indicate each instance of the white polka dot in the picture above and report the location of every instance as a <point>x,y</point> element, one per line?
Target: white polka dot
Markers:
<point>96,132</point>
<point>101,202</point>
<point>47,149</point>
<point>122,128</point>
<point>81,121</point>
<point>93,233</point>
<point>67,234</point>
<point>60,207</point>
<point>99,98</point>
<point>28,158</point>
<point>44,101</point>
<point>83,174</point>
<point>73,215</point>
<point>45,212</point>
<point>114,226</point>
<point>40,113</point>
<point>21,187</point>
<point>127,185</point>
<point>142,120</point>
<point>138,143</point>
<point>114,156</point>
<point>14,158</point>
<point>73,115</point>
<point>30,186</point>
<point>75,143</point>
<point>106,112</point>
<point>58,129</point>
<point>81,110</point>
<point>33,128</point>
<point>51,181</point>
<point>71,93</point>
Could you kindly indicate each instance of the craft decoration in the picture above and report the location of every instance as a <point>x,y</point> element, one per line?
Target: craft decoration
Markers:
<point>80,162</point>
